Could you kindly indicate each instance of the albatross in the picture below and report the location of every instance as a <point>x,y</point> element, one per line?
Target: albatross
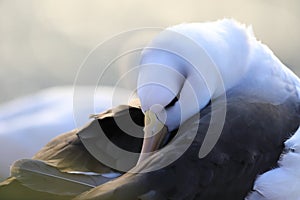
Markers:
<point>218,107</point>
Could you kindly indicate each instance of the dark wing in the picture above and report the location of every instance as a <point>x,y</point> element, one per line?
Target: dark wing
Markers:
<point>50,174</point>
<point>250,144</point>
<point>109,137</point>
<point>67,153</point>
<point>45,177</point>
<point>12,189</point>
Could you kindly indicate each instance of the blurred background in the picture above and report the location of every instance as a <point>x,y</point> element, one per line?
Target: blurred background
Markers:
<point>43,43</point>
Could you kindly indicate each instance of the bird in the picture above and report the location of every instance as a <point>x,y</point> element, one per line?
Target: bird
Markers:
<point>217,106</point>
<point>207,69</point>
<point>283,181</point>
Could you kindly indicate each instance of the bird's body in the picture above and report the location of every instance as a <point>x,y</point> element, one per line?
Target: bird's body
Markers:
<point>189,74</point>
<point>228,171</point>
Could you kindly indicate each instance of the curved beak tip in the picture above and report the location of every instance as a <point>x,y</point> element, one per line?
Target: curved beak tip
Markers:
<point>154,133</point>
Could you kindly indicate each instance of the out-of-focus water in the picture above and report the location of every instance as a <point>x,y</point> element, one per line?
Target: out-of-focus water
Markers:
<point>43,43</point>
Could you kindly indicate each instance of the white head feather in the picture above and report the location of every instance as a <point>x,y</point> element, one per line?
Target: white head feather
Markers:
<point>194,62</point>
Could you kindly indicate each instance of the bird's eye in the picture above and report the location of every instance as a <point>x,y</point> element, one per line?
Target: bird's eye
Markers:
<point>293,150</point>
<point>173,102</point>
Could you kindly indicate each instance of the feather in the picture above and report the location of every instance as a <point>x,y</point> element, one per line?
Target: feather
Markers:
<point>152,195</point>
<point>12,189</point>
<point>64,167</point>
<point>109,132</point>
<point>39,176</point>
<point>67,153</point>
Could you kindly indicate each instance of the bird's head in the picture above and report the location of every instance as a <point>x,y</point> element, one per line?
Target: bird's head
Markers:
<point>167,93</point>
<point>186,66</point>
<point>160,85</point>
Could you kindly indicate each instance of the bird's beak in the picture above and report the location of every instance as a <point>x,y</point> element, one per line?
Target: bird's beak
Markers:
<point>154,133</point>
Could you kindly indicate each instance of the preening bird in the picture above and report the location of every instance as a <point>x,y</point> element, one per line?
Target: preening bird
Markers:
<point>218,107</point>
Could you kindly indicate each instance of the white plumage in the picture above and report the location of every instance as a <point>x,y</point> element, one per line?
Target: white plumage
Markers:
<point>198,62</point>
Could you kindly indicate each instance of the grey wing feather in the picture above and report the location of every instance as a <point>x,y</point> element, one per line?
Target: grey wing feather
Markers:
<point>39,176</point>
<point>67,153</point>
